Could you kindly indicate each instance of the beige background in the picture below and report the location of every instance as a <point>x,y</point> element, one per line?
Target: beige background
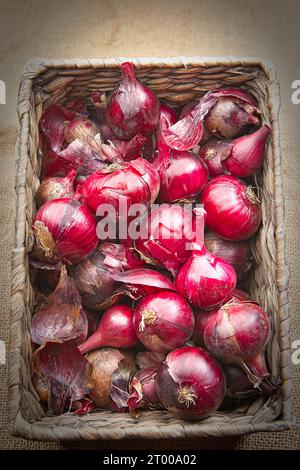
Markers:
<point>103,28</point>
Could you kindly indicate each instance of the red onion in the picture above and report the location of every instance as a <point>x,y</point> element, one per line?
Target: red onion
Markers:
<point>115,329</point>
<point>237,334</point>
<point>52,124</point>
<point>163,321</point>
<point>81,128</point>
<point>246,153</point>
<point>66,372</point>
<point>64,230</point>
<point>95,282</point>
<point>143,281</point>
<point>60,317</point>
<point>233,210</point>
<point>205,280</point>
<point>190,383</point>
<point>182,175</point>
<point>132,108</point>
<point>94,276</point>
<point>213,153</point>
<point>149,359</point>
<point>135,182</point>
<point>236,253</point>
<point>203,316</point>
<point>234,113</point>
<point>143,390</point>
<point>168,236</point>
<point>55,188</point>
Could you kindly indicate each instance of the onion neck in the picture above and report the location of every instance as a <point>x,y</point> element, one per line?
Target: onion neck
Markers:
<point>128,73</point>
<point>187,396</point>
<point>258,374</point>
<point>93,342</point>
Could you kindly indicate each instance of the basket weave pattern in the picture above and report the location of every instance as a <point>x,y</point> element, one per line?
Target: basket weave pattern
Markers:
<point>176,81</point>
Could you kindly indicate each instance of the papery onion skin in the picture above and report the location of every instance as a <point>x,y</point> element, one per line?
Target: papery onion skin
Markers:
<point>143,390</point>
<point>247,153</point>
<point>184,177</point>
<point>238,333</point>
<point>56,188</point>
<point>66,372</point>
<point>143,281</point>
<point>105,362</point>
<point>115,330</point>
<point>132,108</point>
<point>60,316</point>
<point>168,236</point>
<point>163,321</point>
<point>233,210</point>
<point>52,124</point>
<point>64,230</point>
<point>206,280</point>
<point>190,383</point>
<point>136,181</point>
<point>167,117</point>
<point>235,252</point>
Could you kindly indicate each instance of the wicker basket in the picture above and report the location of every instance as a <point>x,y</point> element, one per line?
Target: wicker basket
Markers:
<point>176,81</point>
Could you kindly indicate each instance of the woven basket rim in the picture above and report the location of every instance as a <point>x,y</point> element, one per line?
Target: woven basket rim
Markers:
<point>37,66</point>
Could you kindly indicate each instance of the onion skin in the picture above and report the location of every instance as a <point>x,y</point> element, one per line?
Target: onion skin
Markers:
<point>64,230</point>
<point>184,176</point>
<point>115,330</point>
<point>168,235</point>
<point>167,117</point>
<point>55,188</point>
<point>104,363</point>
<point>233,210</point>
<point>137,181</point>
<point>238,384</point>
<point>237,334</point>
<point>163,321</point>
<point>143,390</point>
<point>236,253</point>
<point>206,280</point>
<point>190,383</point>
<point>132,108</point>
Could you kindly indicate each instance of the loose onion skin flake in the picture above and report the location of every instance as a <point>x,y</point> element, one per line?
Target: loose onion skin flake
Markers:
<point>66,372</point>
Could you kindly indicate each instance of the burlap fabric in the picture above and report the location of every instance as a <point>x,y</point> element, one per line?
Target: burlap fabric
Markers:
<point>162,28</point>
